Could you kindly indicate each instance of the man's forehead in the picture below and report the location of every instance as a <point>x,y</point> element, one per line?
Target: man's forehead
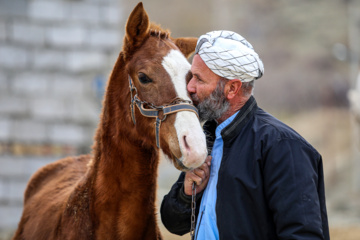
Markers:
<point>199,68</point>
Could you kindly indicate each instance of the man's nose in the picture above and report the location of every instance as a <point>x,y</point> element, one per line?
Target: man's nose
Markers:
<point>191,86</point>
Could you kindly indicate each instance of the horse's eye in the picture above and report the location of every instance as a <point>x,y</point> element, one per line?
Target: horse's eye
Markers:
<point>144,78</point>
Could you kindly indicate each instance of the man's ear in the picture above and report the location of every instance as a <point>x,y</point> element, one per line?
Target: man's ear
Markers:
<point>186,45</point>
<point>232,88</point>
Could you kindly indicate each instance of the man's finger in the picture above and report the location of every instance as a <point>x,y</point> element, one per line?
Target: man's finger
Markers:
<point>195,178</point>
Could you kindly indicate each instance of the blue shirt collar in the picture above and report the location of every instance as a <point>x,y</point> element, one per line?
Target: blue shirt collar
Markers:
<point>222,125</point>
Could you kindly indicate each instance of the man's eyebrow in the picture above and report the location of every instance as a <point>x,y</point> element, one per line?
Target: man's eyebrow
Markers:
<point>197,76</point>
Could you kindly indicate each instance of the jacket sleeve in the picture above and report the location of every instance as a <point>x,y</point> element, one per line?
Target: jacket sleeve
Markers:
<point>175,208</point>
<point>294,187</point>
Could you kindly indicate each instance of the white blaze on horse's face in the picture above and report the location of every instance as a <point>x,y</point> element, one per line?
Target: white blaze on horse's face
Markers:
<point>189,132</point>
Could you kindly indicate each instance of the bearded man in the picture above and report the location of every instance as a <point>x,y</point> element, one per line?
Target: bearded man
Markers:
<point>263,180</point>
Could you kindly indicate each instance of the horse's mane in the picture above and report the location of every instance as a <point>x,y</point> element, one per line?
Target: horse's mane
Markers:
<point>157,31</point>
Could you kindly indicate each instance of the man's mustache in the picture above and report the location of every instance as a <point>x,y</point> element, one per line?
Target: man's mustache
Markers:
<point>195,99</point>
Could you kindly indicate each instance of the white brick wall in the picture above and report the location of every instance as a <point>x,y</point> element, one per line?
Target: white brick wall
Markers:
<point>12,106</point>
<point>84,12</point>
<point>29,131</point>
<point>50,53</point>
<point>66,86</point>
<point>21,167</point>
<point>27,33</point>
<point>4,129</point>
<point>3,83</point>
<point>80,61</point>
<point>13,57</point>
<point>47,10</point>
<point>43,59</point>
<point>111,14</point>
<point>2,31</point>
<point>83,110</point>
<point>66,36</point>
<point>11,215</point>
<point>104,38</point>
<point>67,134</point>
<point>48,109</point>
<point>30,84</point>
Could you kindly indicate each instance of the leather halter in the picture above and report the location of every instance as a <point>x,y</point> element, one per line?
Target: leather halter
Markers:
<point>175,106</point>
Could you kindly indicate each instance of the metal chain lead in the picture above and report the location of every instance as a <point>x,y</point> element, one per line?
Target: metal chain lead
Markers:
<point>193,208</point>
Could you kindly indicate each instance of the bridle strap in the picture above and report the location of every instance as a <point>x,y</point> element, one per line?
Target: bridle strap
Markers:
<point>132,88</point>
<point>176,106</point>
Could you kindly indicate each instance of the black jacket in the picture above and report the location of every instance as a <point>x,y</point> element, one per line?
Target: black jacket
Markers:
<point>270,183</point>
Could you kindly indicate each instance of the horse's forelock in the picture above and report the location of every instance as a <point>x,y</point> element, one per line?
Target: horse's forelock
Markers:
<point>158,31</point>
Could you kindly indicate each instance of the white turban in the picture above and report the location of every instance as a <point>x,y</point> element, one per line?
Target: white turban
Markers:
<point>229,55</point>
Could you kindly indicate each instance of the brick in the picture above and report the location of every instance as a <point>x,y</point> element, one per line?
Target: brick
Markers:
<point>10,216</point>
<point>66,86</point>
<point>84,111</point>
<point>48,60</point>
<point>67,134</point>
<point>5,125</point>
<point>21,168</point>
<point>3,33</point>
<point>66,36</point>
<point>111,14</point>
<point>85,61</point>
<point>108,38</point>
<point>47,109</point>
<point>30,83</point>
<point>13,57</point>
<point>3,188</point>
<point>12,168</point>
<point>47,10</point>
<point>29,131</point>
<point>15,191</point>
<point>28,34</point>
<point>84,12</point>
<point>13,8</point>
<point>13,106</point>
<point>4,85</point>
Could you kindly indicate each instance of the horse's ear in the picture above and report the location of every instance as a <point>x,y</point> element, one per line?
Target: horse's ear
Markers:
<point>137,26</point>
<point>186,45</point>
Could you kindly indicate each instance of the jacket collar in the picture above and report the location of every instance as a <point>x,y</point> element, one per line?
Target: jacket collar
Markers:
<point>245,114</point>
<point>234,128</point>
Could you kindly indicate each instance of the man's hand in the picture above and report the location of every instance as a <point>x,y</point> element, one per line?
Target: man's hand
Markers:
<point>199,175</point>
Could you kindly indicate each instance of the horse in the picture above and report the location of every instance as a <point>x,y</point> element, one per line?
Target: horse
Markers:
<point>110,193</point>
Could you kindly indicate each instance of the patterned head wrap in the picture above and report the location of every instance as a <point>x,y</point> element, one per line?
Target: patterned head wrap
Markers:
<point>229,55</point>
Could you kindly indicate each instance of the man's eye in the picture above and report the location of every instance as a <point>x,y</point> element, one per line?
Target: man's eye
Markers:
<point>143,78</point>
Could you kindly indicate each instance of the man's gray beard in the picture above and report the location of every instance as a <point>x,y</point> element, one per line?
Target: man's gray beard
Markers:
<point>215,105</point>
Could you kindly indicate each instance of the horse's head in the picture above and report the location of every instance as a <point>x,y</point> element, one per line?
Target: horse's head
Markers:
<point>158,70</point>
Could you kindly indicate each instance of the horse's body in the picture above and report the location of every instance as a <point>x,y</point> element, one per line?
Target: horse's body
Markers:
<point>111,193</point>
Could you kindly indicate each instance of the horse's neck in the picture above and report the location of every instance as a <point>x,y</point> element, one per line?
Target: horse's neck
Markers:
<point>125,192</point>
<point>126,175</point>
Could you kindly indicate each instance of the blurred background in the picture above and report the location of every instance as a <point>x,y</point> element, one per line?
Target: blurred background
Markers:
<point>56,56</point>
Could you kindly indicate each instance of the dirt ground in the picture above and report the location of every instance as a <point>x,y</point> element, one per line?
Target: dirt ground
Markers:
<point>345,233</point>
<point>338,233</point>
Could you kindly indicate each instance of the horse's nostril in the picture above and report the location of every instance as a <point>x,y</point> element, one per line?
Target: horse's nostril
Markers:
<point>186,144</point>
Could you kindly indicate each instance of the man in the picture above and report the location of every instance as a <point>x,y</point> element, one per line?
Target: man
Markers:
<point>265,180</point>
